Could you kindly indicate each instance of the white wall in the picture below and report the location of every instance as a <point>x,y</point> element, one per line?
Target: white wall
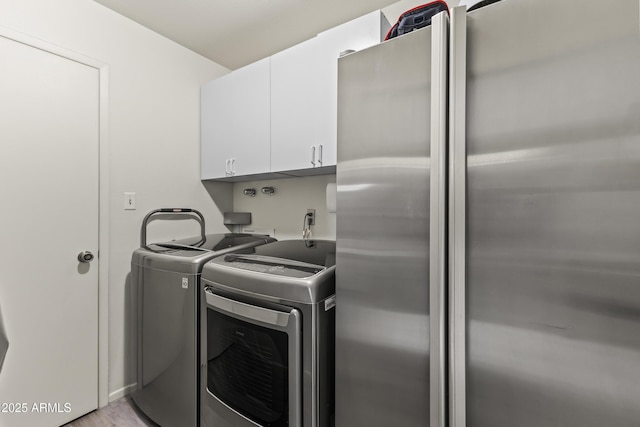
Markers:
<point>284,211</point>
<point>153,135</point>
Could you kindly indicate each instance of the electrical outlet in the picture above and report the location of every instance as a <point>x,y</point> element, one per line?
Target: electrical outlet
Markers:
<point>312,213</point>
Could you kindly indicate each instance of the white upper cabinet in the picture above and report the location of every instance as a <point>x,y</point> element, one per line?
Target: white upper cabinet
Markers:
<point>280,114</point>
<point>294,106</point>
<point>304,94</point>
<point>355,35</point>
<point>235,123</point>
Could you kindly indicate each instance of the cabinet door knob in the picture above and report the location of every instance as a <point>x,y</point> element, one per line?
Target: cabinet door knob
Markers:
<point>313,156</point>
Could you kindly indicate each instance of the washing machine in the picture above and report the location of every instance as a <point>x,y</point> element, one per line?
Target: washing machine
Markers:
<point>268,336</point>
<point>167,279</point>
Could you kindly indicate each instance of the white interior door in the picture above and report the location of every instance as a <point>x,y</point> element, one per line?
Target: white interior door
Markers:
<point>49,141</point>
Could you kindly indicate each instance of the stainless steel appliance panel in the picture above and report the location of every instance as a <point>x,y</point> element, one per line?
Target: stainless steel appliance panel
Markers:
<point>382,268</point>
<point>167,358</point>
<point>553,181</point>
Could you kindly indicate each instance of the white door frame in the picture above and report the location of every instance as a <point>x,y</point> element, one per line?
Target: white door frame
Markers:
<point>103,210</point>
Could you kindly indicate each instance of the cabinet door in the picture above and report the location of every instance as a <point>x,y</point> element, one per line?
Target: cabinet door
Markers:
<point>294,106</point>
<point>235,123</point>
<point>358,34</point>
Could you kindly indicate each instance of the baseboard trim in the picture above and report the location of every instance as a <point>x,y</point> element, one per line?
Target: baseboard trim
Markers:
<point>124,391</point>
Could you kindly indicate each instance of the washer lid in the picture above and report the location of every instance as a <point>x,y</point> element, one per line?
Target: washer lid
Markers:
<point>180,256</point>
<point>292,270</point>
<point>290,258</point>
<point>317,252</point>
<point>220,243</point>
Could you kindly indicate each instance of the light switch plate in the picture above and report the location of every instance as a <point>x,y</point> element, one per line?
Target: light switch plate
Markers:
<point>129,201</point>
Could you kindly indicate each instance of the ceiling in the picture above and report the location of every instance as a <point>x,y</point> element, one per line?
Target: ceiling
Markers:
<point>235,33</point>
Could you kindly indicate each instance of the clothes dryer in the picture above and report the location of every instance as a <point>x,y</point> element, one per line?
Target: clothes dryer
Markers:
<point>268,337</point>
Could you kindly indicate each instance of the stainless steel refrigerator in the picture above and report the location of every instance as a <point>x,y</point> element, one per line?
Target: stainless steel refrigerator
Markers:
<point>390,232</point>
<point>491,278</point>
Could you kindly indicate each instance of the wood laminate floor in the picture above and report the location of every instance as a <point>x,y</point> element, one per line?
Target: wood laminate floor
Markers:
<point>120,413</point>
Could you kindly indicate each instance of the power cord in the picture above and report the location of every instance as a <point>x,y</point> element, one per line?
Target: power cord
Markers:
<point>306,226</point>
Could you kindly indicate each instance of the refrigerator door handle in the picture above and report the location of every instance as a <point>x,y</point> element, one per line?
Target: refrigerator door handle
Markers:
<point>457,217</point>
<point>437,221</point>
<point>313,155</point>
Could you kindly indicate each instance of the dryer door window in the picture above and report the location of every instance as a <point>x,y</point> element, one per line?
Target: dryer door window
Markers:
<point>253,366</point>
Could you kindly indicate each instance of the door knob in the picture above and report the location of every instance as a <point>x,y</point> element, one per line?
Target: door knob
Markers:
<point>85,256</point>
